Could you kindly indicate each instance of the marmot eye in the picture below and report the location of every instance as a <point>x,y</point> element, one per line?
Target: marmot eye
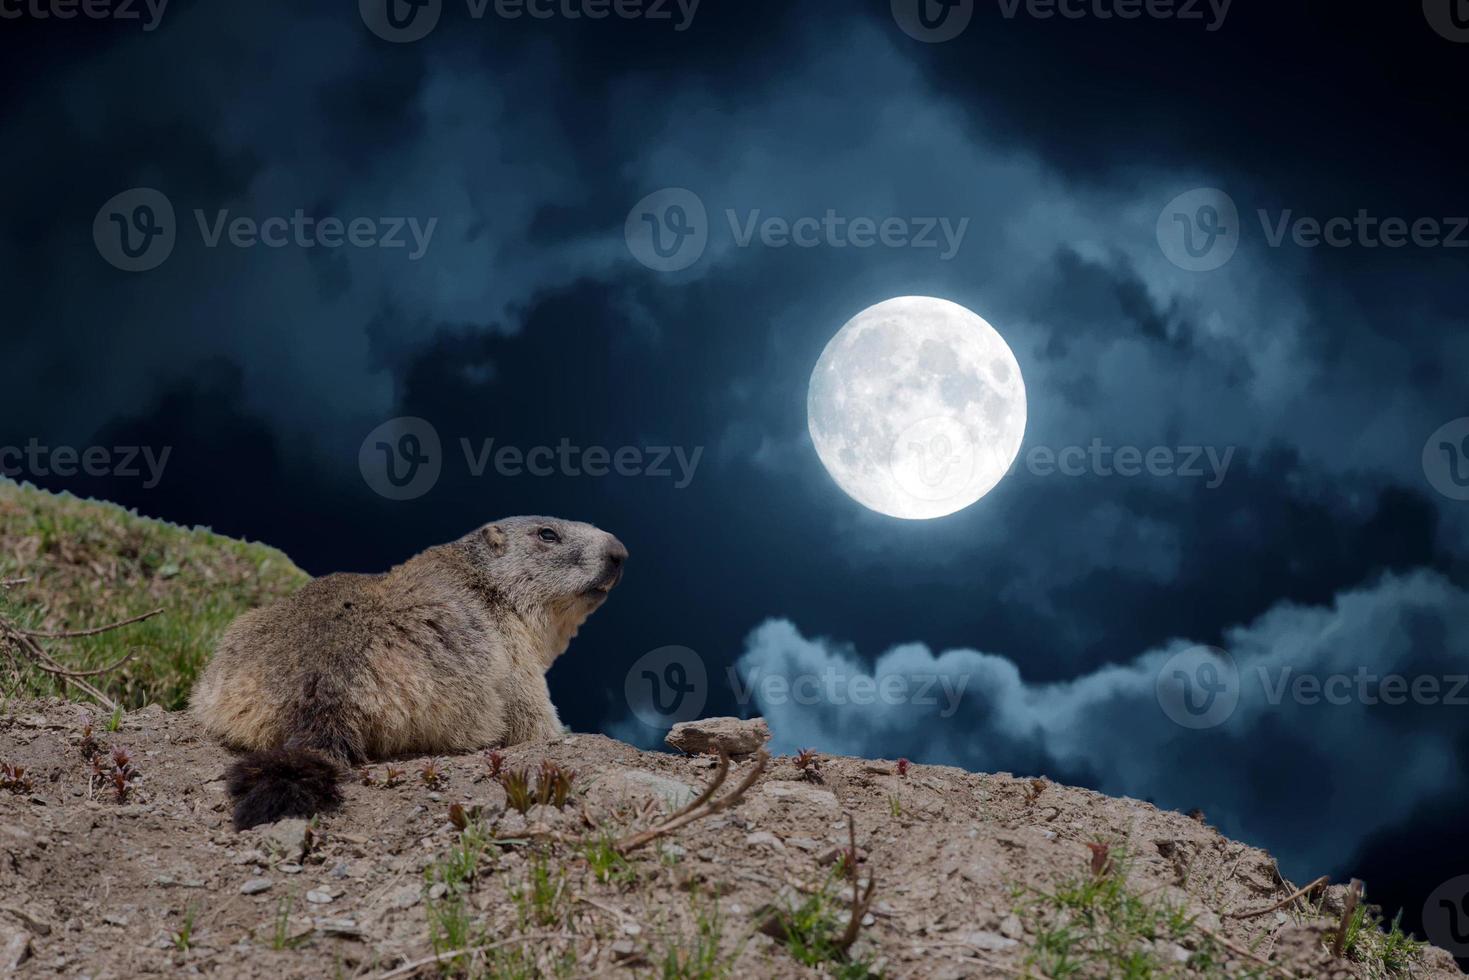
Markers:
<point>549,536</point>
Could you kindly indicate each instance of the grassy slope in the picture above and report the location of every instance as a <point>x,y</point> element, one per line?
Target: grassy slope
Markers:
<point>91,563</point>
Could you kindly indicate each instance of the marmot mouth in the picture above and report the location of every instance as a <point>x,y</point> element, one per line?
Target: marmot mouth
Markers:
<point>604,587</point>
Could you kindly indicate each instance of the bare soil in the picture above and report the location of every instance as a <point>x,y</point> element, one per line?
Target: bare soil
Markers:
<point>160,883</point>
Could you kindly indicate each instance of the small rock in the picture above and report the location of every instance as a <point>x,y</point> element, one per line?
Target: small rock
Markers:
<point>632,928</point>
<point>625,951</point>
<point>733,736</point>
<point>255,886</point>
<point>673,792</point>
<point>115,920</point>
<point>346,928</point>
<point>437,891</point>
<point>288,869</point>
<point>1011,928</point>
<point>786,790</point>
<point>405,897</point>
<point>766,838</point>
<point>289,837</point>
<point>318,897</point>
<point>990,942</point>
<point>15,948</point>
<point>252,856</point>
<point>339,870</point>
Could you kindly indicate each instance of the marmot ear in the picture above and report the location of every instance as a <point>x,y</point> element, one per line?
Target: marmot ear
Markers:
<point>494,538</point>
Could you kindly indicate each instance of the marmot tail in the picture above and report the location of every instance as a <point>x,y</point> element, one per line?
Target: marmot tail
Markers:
<point>288,782</point>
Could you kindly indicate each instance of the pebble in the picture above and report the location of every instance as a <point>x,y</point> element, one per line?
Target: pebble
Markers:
<point>766,838</point>
<point>318,897</point>
<point>255,886</point>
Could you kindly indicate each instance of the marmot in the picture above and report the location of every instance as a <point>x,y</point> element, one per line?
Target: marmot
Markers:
<point>444,653</point>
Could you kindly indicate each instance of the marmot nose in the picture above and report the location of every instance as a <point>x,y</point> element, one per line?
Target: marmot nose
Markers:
<point>616,552</point>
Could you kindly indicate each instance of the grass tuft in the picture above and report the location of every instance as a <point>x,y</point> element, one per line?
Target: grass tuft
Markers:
<point>90,563</point>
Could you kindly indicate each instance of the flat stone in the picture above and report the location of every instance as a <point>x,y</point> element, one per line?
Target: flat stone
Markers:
<point>15,948</point>
<point>346,928</point>
<point>786,790</point>
<point>733,736</point>
<point>287,837</point>
<point>671,791</point>
<point>255,886</point>
<point>990,942</point>
<point>318,897</point>
<point>766,839</point>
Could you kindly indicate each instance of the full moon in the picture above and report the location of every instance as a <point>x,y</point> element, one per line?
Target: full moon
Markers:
<point>917,407</point>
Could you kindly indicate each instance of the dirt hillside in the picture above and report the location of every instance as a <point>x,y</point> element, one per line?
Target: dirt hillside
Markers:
<point>971,874</point>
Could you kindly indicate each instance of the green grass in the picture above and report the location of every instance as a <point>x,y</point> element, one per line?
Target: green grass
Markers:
<point>1094,925</point>
<point>811,930</point>
<point>542,898</point>
<point>91,563</point>
<point>697,957</point>
<point>1385,954</point>
<point>184,938</point>
<point>607,865</point>
<point>280,937</point>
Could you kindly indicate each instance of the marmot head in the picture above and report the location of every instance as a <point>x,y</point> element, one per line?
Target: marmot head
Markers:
<point>546,563</point>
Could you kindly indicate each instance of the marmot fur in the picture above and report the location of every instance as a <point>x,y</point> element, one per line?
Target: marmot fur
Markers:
<point>444,653</point>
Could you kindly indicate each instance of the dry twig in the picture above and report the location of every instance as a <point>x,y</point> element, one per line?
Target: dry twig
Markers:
<point>98,631</point>
<point>704,805</point>
<point>409,968</point>
<point>1318,883</point>
<point>861,900</point>
<point>1354,895</point>
<point>22,649</point>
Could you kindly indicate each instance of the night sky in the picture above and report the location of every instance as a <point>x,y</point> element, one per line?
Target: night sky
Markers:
<point>1331,544</point>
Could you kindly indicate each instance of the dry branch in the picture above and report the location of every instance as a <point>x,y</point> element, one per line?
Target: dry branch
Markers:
<point>22,650</point>
<point>1354,895</point>
<point>1318,883</point>
<point>861,899</point>
<point>98,631</point>
<point>702,806</point>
